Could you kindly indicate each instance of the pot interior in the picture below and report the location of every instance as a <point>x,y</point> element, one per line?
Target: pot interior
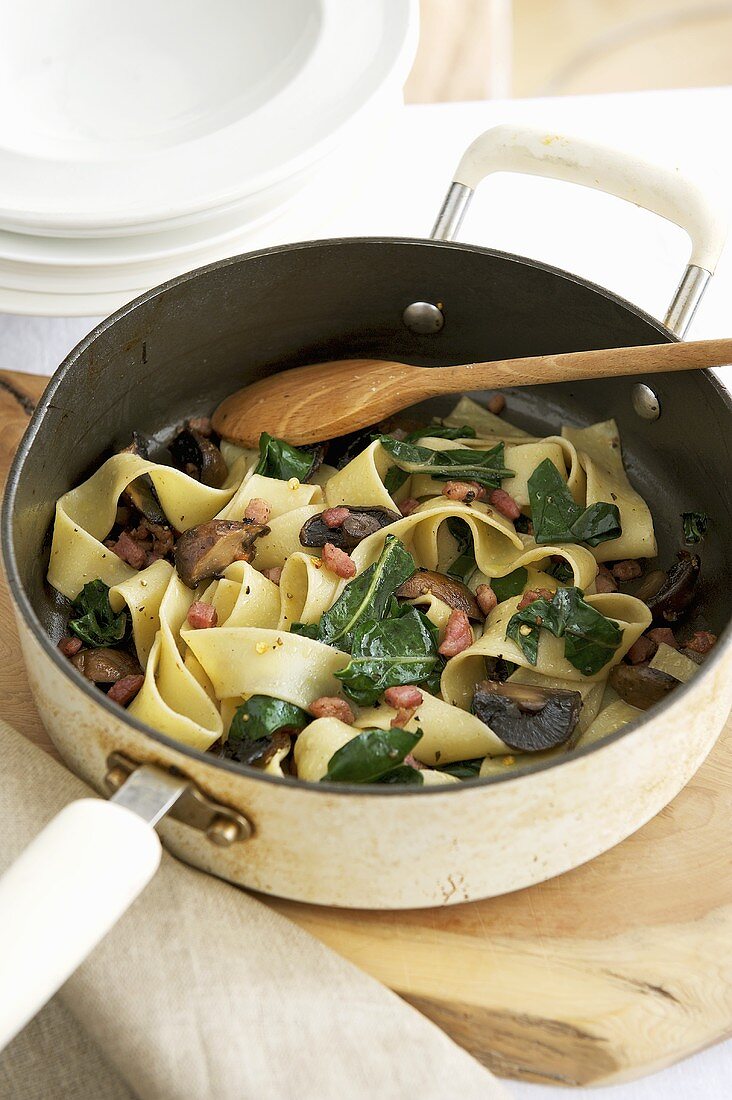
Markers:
<point>181,348</point>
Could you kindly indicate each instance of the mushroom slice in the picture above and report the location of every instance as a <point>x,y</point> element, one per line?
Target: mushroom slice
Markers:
<point>258,752</point>
<point>678,590</point>
<point>141,492</point>
<point>206,550</point>
<point>451,591</point>
<point>360,522</point>
<point>640,685</point>
<point>527,718</point>
<point>106,666</point>
<point>195,454</point>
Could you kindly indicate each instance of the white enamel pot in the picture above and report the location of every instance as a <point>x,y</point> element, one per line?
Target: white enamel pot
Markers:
<point>179,349</point>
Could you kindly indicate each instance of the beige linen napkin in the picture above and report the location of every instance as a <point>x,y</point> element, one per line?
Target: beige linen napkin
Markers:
<point>203,993</point>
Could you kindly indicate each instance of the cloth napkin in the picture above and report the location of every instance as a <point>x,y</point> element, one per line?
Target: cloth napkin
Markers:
<point>202,992</point>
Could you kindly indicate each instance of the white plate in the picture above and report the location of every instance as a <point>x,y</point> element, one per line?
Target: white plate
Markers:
<point>115,117</point>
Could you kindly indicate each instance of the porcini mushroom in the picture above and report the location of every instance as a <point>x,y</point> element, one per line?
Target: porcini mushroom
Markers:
<point>425,582</point>
<point>676,593</point>
<point>141,492</point>
<point>197,455</point>
<point>640,685</point>
<point>106,666</point>
<point>206,550</point>
<point>360,522</point>
<point>527,718</point>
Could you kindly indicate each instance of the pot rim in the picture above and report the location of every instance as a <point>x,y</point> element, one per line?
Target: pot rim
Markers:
<point>97,698</point>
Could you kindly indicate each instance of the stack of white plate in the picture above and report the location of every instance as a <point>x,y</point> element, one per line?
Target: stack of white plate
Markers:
<point>144,139</point>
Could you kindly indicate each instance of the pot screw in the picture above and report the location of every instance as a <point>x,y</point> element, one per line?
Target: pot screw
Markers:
<point>645,402</point>
<point>222,832</point>
<point>423,318</point>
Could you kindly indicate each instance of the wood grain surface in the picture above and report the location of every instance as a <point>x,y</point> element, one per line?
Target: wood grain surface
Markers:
<point>616,969</point>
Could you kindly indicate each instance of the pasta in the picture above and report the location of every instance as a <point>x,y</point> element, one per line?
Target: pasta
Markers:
<point>426,610</point>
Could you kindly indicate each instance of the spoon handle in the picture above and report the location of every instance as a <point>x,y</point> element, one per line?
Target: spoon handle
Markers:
<point>570,366</point>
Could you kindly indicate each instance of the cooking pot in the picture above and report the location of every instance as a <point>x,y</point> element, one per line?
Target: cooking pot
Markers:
<point>178,350</point>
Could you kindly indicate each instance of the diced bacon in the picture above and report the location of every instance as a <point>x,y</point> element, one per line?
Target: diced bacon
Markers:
<point>274,573</point>
<point>125,690</point>
<point>70,646</point>
<point>333,517</point>
<point>641,650</point>
<point>702,641</point>
<point>626,570</point>
<point>458,635</point>
<point>338,561</point>
<point>466,491</point>
<point>663,635</point>
<point>412,762</point>
<point>406,695</point>
<point>129,551</point>
<point>534,594</point>
<point>407,506</point>
<point>257,510</point>
<point>497,404</point>
<point>486,598</point>
<point>504,503</point>
<point>403,717</point>
<point>605,581</point>
<point>201,424</point>
<point>202,616</point>
<point>330,706</point>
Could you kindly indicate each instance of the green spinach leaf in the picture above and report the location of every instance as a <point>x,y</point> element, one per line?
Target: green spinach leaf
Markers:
<point>441,431</point>
<point>278,459</point>
<point>463,769</point>
<point>389,653</point>
<point>394,479</point>
<point>367,596</point>
<point>95,622</point>
<point>371,755</point>
<point>485,467</point>
<point>260,726</point>
<point>511,585</point>
<point>464,564</point>
<point>589,638</point>
<point>404,775</point>
<point>561,570</point>
<point>557,518</point>
<point>306,630</point>
<point>695,526</point>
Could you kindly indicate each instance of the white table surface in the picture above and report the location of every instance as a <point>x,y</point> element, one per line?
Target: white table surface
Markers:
<point>633,253</point>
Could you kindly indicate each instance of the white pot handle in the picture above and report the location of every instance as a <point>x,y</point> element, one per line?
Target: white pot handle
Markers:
<point>66,891</point>
<point>531,151</point>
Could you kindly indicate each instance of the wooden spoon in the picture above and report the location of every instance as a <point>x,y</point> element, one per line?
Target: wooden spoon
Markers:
<point>325,400</point>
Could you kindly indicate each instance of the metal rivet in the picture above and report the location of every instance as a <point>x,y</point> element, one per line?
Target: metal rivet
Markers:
<point>222,832</point>
<point>115,777</point>
<point>645,402</point>
<point>423,318</point>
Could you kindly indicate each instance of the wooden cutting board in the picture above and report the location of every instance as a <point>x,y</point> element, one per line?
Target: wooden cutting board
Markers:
<point>611,971</point>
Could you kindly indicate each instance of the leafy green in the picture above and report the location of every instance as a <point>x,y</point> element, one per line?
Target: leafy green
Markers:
<point>371,755</point>
<point>278,459</point>
<point>556,516</point>
<point>511,585</point>
<point>441,431</point>
<point>96,623</point>
<point>695,526</point>
<point>389,653</point>
<point>463,769</point>
<point>589,638</point>
<point>260,726</point>
<point>367,596</point>
<point>485,467</point>
<point>404,775</point>
<point>394,479</point>
<point>306,630</point>
<point>464,564</point>
<point>561,570</point>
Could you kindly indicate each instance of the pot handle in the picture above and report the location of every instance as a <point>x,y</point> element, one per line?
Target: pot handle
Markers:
<point>71,885</point>
<point>531,151</point>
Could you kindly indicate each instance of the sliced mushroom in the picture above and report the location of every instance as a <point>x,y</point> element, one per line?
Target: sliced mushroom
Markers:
<point>259,751</point>
<point>451,591</point>
<point>195,454</point>
<point>527,718</point>
<point>676,593</point>
<point>106,666</point>
<point>141,492</point>
<point>640,685</point>
<point>650,585</point>
<point>360,522</point>
<point>206,550</point>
